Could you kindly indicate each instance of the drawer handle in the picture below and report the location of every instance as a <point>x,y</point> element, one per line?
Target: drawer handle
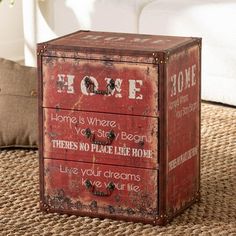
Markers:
<point>91,136</point>
<point>89,84</point>
<point>110,188</point>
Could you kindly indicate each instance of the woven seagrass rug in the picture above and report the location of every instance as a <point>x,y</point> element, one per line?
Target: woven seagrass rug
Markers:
<point>215,214</point>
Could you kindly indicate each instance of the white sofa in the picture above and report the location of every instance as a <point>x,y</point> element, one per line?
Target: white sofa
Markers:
<point>213,20</point>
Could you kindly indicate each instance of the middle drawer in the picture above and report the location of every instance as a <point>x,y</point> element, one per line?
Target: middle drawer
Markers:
<point>101,138</point>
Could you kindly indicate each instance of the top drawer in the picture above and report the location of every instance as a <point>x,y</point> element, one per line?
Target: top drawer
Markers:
<point>102,86</point>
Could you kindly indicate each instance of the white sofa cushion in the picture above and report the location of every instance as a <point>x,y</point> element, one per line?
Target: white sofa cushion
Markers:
<point>214,21</point>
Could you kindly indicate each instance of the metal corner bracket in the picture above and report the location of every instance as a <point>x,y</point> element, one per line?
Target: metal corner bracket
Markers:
<point>41,50</point>
<point>155,58</point>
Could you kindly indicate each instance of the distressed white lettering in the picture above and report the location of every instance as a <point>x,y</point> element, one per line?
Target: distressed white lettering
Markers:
<point>133,89</point>
<point>140,40</point>
<point>65,83</point>
<point>93,37</point>
<point>180,82</point>
<point>173,87</point>
<point>64,144</point>
<point>183,158</point>
<point>187,78</point>
<point>193,74</point>
<point>183,80</point>
<point>114,38</point>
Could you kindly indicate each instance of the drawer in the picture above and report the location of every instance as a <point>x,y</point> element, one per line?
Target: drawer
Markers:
<point>104,190</point>
<point>102,86</point>
<point>101,138</point>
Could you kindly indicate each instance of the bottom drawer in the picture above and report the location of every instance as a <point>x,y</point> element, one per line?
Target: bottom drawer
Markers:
<point>100,190</point>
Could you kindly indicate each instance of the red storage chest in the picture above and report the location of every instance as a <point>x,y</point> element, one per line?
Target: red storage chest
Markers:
<point>119,125</point>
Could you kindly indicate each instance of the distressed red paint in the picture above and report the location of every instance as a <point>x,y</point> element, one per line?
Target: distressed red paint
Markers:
<point>131,195</point>
<point>119,119</point>
<point>121,100</point>
<point>183,148</point>
<point>135,140</point>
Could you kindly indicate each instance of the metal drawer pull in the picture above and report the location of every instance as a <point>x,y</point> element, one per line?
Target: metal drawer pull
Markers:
<point>91,136</point>
<point>89,84</point>
<point>95,192</point>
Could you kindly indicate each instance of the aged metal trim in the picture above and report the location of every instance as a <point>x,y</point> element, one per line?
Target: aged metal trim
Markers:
<point>44,206</point>
<point>161,143</point>
<point>42,48</point>
<point>161,220</point>
<point>161,61</point>
<point>165,58</point>
<point>91,87</point>
<point>198,40</point>
<point>91,136</point>
<point>155,58</point>
<point>95,192</point>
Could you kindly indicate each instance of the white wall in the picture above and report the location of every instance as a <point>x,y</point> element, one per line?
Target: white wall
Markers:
<point>11,31</point>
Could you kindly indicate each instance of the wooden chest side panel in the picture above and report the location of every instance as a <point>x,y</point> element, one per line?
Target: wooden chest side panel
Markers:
<point>183,128</point>
<point>133,196</point>
<point>135,138</point>
<point>135,89</point>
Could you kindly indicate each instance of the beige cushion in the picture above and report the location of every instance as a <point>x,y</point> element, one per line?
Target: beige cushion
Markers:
<point>18,105</point>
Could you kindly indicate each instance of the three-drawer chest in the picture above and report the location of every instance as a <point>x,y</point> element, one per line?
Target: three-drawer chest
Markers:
<point>119,125</point>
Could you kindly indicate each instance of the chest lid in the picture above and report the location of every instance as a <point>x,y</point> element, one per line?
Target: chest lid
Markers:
<point>118,43</point>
